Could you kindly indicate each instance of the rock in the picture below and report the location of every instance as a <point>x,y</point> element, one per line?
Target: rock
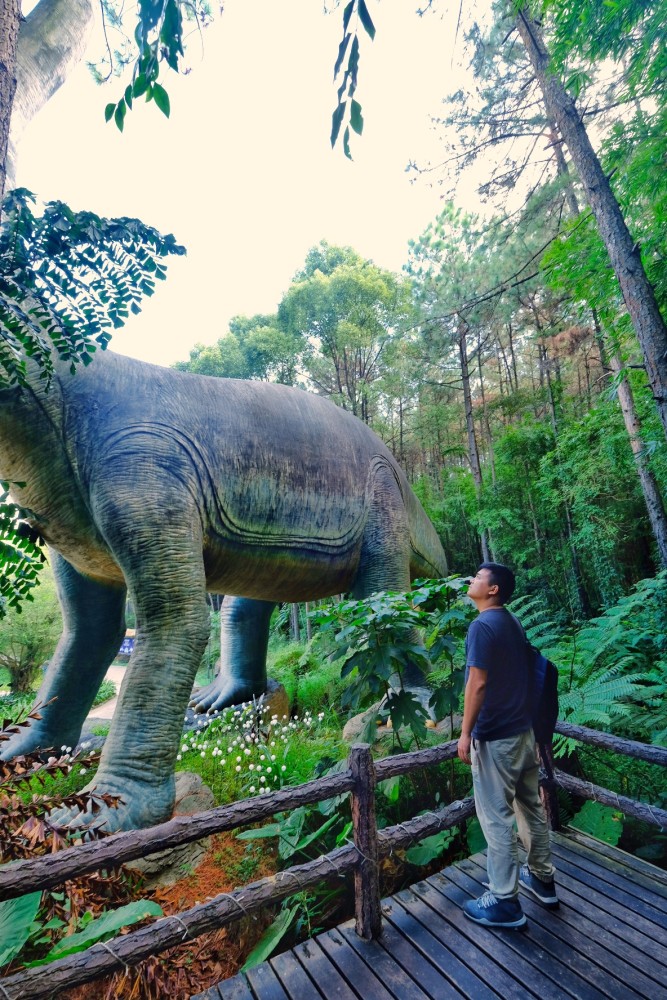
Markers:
<point>166,867</point>
<point>273,702</point>
<point>355,726</point>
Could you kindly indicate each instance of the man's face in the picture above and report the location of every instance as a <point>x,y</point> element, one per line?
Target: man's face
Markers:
<point>480,585</point>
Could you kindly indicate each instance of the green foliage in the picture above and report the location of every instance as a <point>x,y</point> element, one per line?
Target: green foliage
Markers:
<point>29,634</point>
<point>102,928</point>
<point>379,641</point>
<point>67,280</point>
<point>349,46</point>
<point>16,919</point>
<point>312,683</point>
<point>430,848</point>
<point>243,753</point>
<point>599,821</point>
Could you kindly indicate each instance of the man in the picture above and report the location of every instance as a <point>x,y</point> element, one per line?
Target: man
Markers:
<point>498,741</point>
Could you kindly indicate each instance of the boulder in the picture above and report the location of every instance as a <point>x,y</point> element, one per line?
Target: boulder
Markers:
<point>166,867</point>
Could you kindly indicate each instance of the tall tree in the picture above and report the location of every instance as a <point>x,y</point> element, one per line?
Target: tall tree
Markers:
<point>624,253</point>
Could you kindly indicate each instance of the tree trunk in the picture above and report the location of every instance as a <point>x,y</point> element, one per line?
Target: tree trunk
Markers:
<point>611,360</point>
<point>623,253</point>
<point>473,452</point>
<point>52,41</point>
<point>10,15</point>
<point>652,497</point>
<point>294,623</point>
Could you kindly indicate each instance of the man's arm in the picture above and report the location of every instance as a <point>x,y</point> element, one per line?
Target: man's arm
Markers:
<point>472,704</point>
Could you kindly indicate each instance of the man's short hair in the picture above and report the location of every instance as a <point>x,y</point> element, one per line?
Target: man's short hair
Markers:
<point>503,577</point>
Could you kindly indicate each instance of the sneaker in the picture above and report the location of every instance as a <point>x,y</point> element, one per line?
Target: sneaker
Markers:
<point>494,912</point>
<point>542,889</point>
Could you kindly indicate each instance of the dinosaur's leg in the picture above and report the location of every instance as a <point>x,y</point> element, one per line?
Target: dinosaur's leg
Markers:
<point>244,639</point>
<point>93,628</point>
<point>155,533</point>
<point>385,553</point>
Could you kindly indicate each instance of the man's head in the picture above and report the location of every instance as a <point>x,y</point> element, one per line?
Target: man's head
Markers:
<point>492,586</point>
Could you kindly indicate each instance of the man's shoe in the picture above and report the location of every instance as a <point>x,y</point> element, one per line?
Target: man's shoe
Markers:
<point>494,912</point>
<point>542,889</point>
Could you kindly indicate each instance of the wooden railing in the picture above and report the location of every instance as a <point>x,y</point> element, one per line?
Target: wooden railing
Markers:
<point>362,857</point>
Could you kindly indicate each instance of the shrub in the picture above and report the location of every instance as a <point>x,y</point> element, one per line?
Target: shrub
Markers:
<point>29,634</point>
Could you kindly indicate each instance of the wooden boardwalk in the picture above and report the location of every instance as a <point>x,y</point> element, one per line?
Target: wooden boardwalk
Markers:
<point>608,939</point>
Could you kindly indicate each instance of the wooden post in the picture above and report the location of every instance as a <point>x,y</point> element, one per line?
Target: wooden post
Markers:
<point>368,915</point>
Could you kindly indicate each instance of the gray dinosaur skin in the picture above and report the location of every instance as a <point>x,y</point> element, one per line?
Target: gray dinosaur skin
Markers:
<point>163,485</point>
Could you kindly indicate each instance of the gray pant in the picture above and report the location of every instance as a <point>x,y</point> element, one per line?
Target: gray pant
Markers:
<point>505,783</point>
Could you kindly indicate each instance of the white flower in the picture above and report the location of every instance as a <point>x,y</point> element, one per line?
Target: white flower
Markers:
<point>223,762</point>
<point>83,770</point>
<point>262,779</point>
<point>252,788</point>
<point>247,752</point>
<point>203,753</point>
<point>262,756</point>
<point>283,768</point>
<point>184,749</point>
<point>238,768</point>
<point>251,767</point>
<point>273,756</point>
<point>238,759</point>
<point>177,758</point>
<point>268,770</point>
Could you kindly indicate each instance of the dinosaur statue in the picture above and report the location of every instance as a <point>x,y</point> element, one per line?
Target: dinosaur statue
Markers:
<point>165,485</point>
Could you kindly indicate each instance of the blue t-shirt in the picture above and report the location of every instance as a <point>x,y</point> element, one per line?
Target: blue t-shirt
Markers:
<point>496,643</point>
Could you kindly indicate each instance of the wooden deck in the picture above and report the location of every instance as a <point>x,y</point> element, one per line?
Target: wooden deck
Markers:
<point>608,939</point>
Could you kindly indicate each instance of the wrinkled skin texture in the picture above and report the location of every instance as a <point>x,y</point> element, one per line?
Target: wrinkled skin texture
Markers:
<point>164,485</point>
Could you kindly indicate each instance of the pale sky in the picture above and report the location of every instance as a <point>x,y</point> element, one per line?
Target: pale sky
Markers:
<point>243,173</point>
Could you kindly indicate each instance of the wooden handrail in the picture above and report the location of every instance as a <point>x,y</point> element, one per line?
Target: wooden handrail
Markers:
<point>361,777</point>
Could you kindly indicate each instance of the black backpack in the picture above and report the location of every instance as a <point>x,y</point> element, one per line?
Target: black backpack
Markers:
<point>543,693</point>
<point>543,697</point>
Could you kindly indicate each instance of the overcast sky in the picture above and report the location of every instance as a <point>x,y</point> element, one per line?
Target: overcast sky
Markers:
<point>243,173</point>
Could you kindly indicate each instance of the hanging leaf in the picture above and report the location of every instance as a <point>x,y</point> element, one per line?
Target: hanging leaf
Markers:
<point>337,121</point>
<point>365,19</point>
<point>356,119</point>
<point>161,98</point>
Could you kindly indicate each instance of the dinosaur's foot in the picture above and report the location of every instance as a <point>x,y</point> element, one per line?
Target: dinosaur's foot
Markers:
<point>223,692</point>
<point>119,804</point>
<point>39,737</point>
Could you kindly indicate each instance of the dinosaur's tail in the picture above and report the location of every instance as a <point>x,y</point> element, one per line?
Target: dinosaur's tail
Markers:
<point>427,556</point>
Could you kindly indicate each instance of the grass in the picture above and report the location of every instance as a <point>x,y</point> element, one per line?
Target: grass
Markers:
<point>240,755</point>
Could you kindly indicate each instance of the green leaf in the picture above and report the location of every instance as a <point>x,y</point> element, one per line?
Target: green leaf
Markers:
<point>128,96</point>
<point>356,119</point>
<point>602,822</point>
<point>105,926</point>
<point>475,837</point>
<point>337,121</point>
<point>346,143</point>
<point>270,830</point>
<point>161,98</point>
<point>108,111</point>
<point>390,788</point>
<point>429,848</point>
<point>270,939</point>
<point>140,85</point>
<point>365,19</point>
<point>119,116</point>
<point>16,918</point>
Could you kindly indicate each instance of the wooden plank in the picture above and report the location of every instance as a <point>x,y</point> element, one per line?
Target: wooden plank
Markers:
<point>489,977</point>
<point>324,972</point>
<point>235,989</point>
<point>533,958</point>
<point>293,976</point>
<point>395,978</point>
<point>433,948</point>
<point>627,926</point>
<point>572,950</point>
<point>211,994</point>
<point>613,885</point>
<point>658,875</point>
<point>431,980</point>
<point>626,908</point>
<point>352,967</point>
<point>616,866</point>
<point>265,983</point>
<point>613,956</point>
